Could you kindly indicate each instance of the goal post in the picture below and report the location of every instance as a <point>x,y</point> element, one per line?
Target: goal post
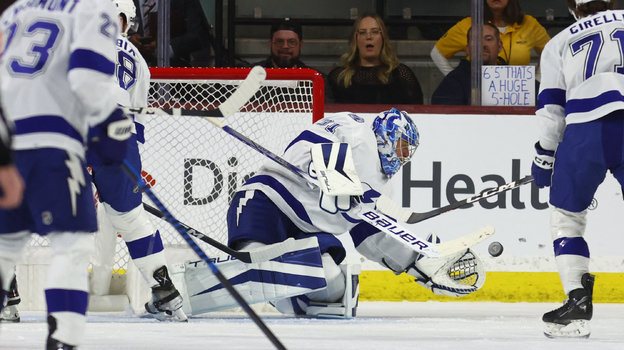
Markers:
<point>194,167</point>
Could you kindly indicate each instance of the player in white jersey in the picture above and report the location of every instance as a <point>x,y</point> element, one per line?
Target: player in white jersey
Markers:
<point>275,206</point>
<point>56,86</point>
<point>581,111</point>
<point>120,196</point>
<point>11,183</point>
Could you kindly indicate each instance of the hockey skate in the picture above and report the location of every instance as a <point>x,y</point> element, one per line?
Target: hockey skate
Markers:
<point>166,303</point>
<point>572,319</point>
<point>51,343</point>
<point>10,313</point>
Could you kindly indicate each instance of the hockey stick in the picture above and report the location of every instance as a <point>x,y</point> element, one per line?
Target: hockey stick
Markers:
<point>389,207</point>
<point>242,256</point>
<point>201,254</point>
<point>265,253</point>
<point>233,104</point>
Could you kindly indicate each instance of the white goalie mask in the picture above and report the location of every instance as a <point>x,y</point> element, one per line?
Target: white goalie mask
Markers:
<point>127,8</point>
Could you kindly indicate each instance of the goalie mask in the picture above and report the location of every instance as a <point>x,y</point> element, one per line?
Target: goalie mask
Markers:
<point>127,9</point>
<point>397,139</point>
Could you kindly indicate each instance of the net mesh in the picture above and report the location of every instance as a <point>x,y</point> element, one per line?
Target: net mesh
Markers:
<point>195,167</point>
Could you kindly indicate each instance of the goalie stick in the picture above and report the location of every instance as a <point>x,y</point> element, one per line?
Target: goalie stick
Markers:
<point>233,104</point>
<point>201,254</point>
<point>266,253</point>
<point>389,207</point>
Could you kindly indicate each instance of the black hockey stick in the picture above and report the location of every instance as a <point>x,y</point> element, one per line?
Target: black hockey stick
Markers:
<point>265,253</point>
<point>201,254</point>
<point>391,208</point>
<point>242,256</point>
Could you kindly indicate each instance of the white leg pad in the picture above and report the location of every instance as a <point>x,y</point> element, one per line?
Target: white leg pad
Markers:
<point>297,272</point>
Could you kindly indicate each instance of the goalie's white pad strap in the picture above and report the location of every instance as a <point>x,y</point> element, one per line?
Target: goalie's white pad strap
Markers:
<point>294,273</point>
<point>333,163</point>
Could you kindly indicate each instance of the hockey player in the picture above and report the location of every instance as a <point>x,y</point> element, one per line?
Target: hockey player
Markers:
<point>581,111</point>
<point>119,195</point>
<point>56,74</point>
<point>275,206</point>
<point>11,183</point>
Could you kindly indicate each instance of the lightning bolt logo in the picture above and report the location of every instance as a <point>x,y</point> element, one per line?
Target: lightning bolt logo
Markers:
<point>242,203</point>
<point>76,179</point>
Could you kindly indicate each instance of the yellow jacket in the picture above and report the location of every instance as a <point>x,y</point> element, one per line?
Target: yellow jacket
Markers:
<point>518,40</point>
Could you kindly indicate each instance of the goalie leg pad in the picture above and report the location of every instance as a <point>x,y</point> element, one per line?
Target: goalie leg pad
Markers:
<point>294,273</point>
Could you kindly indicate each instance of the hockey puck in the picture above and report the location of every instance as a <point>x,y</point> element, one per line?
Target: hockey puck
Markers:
<point>495,249</point>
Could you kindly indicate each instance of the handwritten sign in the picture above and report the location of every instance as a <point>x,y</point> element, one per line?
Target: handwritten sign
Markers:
<point>508,85</point>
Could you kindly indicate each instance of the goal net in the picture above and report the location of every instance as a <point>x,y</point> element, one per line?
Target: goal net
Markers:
<point>194,167</point>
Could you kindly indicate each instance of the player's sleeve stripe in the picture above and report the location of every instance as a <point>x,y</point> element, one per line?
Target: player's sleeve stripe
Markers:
<point>308,136</point>
<point>294,204</point>
<point>91,60</point>
<point>46,123</point>
<point>551,97</point>
<point>583,105</point>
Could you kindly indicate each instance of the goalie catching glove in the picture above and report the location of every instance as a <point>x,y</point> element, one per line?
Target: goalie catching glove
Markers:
<point>455,275</point>
<point>340,185</point>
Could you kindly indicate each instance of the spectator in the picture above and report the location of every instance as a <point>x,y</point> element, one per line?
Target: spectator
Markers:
<point>286,43</point>
<point>519,34</point>
<point>370,71</point>
<point>455,88</point>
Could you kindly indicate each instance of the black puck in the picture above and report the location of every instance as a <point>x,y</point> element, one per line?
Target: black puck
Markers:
<point>495,249</point>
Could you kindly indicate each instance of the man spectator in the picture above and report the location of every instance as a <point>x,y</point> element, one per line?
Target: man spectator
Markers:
<point>455,88</point>
<point>286,43</point>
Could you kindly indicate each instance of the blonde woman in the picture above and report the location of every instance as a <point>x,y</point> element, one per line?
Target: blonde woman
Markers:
<point>370,71</point>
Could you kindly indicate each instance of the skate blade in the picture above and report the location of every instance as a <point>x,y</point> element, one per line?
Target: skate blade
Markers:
<point>168,316</point>
<point>575,329</point>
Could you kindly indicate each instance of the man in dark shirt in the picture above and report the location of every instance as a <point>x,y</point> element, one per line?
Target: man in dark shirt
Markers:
<point>286,43</point>
<point>455,88</point>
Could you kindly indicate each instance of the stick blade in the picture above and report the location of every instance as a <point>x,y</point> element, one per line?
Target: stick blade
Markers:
<point>465,242</point>
<point>244,93</point>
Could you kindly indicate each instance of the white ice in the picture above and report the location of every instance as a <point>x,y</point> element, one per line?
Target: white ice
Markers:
<point>379,325</point>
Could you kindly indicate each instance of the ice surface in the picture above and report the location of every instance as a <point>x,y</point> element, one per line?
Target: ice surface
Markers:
<point>379,325</point>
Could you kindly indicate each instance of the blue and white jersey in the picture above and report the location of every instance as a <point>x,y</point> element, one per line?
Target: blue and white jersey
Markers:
<point>56,74</point>
<point>300,200</point>
<point>132,75</point>
<point>582,74</point>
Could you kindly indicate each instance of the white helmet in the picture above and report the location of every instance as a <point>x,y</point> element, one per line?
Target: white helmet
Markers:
<point>126,8</point>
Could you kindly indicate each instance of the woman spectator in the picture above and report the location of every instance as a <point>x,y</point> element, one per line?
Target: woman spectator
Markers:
<point>370,71</point>
<point>519,32</point>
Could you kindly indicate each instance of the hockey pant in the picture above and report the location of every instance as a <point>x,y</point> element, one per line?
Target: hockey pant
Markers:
<point>585,154</point>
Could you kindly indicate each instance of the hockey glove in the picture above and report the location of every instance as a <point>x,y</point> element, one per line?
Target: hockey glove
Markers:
<point>108,141</point>
<point>455,275</point>
<point>542,167</point>
<point>332,204</point>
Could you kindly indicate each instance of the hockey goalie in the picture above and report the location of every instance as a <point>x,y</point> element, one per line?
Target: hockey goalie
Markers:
<point>350,159</point>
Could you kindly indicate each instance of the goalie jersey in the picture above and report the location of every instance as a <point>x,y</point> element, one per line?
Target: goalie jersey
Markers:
<point>296,197</point>
<point>53,69</point>
<point>582,76</point>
